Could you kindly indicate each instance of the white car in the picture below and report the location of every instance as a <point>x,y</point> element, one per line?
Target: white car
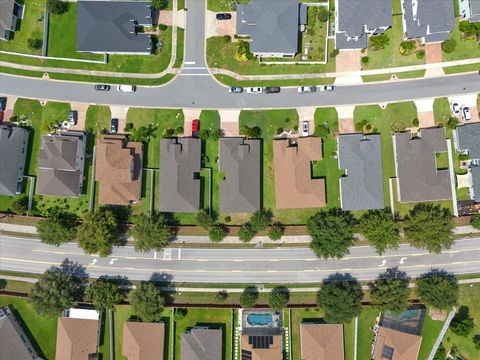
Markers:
<point>126,88</point>
<point>455,108</point>
<point>254,90</point>
<point>466,113</point>
<point>305,128</point>
<point>327,88</point>
<point>306,89</point>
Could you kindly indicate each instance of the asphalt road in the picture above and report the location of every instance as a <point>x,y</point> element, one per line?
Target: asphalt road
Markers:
<point>282,265</point>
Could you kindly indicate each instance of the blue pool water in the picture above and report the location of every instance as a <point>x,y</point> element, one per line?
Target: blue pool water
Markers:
<point>263,319</point>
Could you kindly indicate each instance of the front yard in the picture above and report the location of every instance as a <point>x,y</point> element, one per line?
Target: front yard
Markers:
<point>466,48</point>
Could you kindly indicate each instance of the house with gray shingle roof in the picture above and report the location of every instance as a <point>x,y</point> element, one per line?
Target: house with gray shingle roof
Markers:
<point>467,141</point>
<point>356,20</point>
<point>10,12</point>
<point>418,178</point>
<point>180,165</point>
<point>240,165</point>
<point>469,10</point>
<point>113,27</point>
<point>13,156</point>
<point>362,186</point>
<point>272,25</point>
<point>201,343</point>
<point>61,163</point>
<point>429,20</point>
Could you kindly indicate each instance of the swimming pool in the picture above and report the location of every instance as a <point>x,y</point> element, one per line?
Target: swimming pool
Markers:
<point>260,319</point>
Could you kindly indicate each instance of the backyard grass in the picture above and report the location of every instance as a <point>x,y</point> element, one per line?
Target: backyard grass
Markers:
<point>466,48</point>
<point>41,330</point>
<point>218,318</point>
<point>104,343</point>
<point>441,111</point>
<point>430,331</point>
<point>366,320</point>
<point>223,5</point>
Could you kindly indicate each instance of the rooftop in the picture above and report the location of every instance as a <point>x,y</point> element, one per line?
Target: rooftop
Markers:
<point>13,155</point>
<point>321,341</point>
<point>143,341</point>
<point>468,139</point>
<point>261,347</point>
<point>6,12</point>
<point>396,345</point>
<point>77,339</point>
<point>202,343</point>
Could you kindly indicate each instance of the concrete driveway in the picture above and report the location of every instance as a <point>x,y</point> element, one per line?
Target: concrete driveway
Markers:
<point>120,113</point>
<point>425,112</point>
<point>229,121</point>
<point>216,27</point>
<point>189,115</point>
<point>81,109</point>
<point>306,114</point>
<point>8,112</point>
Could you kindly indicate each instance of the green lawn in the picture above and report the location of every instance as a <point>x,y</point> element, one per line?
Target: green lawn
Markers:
<point>222,5</point>
<point>401,75</point>
<point>104,343</point>
<point>30,27</point>
<point>180,48</point>
<point>41,330</point>
<point>430,331</point>
<point>441,111</point>
<point>219,318</point>
<point>466,48</point>
<point>366,320</point>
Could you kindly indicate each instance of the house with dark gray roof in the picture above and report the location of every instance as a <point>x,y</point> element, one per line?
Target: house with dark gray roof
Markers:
<point>272,25</point>
<point>362,186</point>
<point>429,20</point>
<point>201,343</point>
<point>356,20</point>
<point>240,165</point>
<point>180,165</point>
<point>469,10</point>
<point>61,164</point>
<point>418,178</point>
<point>467,141</point>
<point>113,27</point>
<point>10,12</point>
<point>13,155</point>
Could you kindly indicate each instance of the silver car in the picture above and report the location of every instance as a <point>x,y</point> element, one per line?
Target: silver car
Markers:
<point>254,90</point>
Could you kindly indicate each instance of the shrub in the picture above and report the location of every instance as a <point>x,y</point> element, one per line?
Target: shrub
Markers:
<point>415,123</point>
<point>475,221</point>
<point>246,232</point>
<point>295,128</point>
<point>452,123</point>
<point>249,297</point>
<point>179,130</point>
<point>261,219</point>
<point>407,47</point>
<point>333,54</point>
<point>162,27</point>
<point>128,126</point>
<point>476,341</point>
<point>168,133</point>
<point>278,298</point>
<point>323,130</point>
<point>279,130</point>
<point>204,219</point>
<point>365,60</point>
<point>34,44</point>
<point>57,7</point>
<point>420,54</point>
<point>226,39</point>
<point>180,313</point>
<point>221,296</point>
<point>322,14</point>
<point>276,231</point>
<point>217,232</point>
<point>449,45</point>
<point>159,4</point>
<point>378,42</point>
<point>19,206</point>
<point>310,31</point>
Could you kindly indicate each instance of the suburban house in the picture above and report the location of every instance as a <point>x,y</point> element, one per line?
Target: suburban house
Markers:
<point>114,27</point>
<point>78,335</point>
<point>118,170</point>
<point>429,20</point>
<point>469,10</point>
<point>261,335</point>
<point>356,20</point>
<point>10,12</point>
<point>61,164</point>
<point>14,342</point>
<point>467,141</point>
<point>240,164</point>
<point>418,178</point>
<point>202,343</point>
<point>143,341</point>
<point>180,165</point>
<point>362,186</point>
<point>321,341</point>
<point>13,155</point>
<point>272,25</point>
<point>292,164</point>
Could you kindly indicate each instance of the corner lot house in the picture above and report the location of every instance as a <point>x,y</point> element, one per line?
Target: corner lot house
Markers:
<point>361,157</point>
<point>356,20</point>
<point>469,10</point>
<point>113,27</point>
<point>14,342</point>
<point>321,341</point>
<point>180,165</point>
<point>418,178</point>
<point>143,341</point>
<point>429,20</point>
<point>240,165</point>
<point>467,141</point>
<point>10,12</point>
<point>272,25</point>
<point>118,170</point>
<point>61,163</point>
<point>13,154</point>
<point>202,343</point>
<point>292,163</point>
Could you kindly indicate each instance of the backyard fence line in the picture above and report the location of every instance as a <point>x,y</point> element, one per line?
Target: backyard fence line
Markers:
<point>53,57</point>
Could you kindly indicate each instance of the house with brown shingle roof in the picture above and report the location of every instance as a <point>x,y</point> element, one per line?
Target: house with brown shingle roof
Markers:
<point>396,345</point>
<point>294,185</point>
<point>118,170</point>
<point>270,349</point>
<point>321,341</point>
<point>143,341</point>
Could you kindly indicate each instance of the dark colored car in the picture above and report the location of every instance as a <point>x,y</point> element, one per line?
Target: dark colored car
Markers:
<point>224,16</point>
<point>272,90</point>
<point>3,103</point>
<point>195,127</point>
<point>235,89</point>
<point>114,126</point>
<point>102,87</point>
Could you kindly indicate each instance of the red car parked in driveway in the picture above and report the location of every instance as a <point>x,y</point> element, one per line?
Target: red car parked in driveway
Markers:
<point>195,127</point>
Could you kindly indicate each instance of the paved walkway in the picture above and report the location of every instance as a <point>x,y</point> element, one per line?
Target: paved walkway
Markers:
<point>229,121</point>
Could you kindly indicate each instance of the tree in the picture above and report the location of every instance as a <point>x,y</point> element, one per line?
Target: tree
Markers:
<point>380,229</point>
<point>332,232</point>
<point>441,353</point>
<point>469,29</point>
<point>449,45</point>
<point>340,298</point>
<point>390,291</point>
<point>475,221</point>
<point>365,60</point>
<point>438,288</point>
<point>204,219</point>
<point>261,219</point>
<point>217,232</point>
<point>98,232</point>
<point>34,43</point>
<point>251,132</point>
<point>151,232</point>
<point>19,205</point>
<point>407,47</point>
<point>249,297</point>
<point>57,228</point>
<point>143,133</point>
<point>57,7</point>
<point>221,296</point>
<point>276,231</point>
<point>246,232</point>
<point>103,294</point>
<point>429,226</point>
<point>159,4</point>
<point>462,324</point>
<point>50,125</point>
<point>378,42</point>
<point>278,298</point>
<point>147,302</point>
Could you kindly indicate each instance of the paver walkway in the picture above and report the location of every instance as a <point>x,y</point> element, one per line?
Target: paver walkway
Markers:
<point>165,17</point>
<point>229,121</point>
<point>425,112</point>
<point>346,122</point>
<point>433,53</point>
<point>348,60</point>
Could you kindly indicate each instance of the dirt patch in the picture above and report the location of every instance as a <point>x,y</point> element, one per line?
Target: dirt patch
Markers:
<point>433,53</point>
<point>216,27</point>
<point>346,126</point>
<point>348,60</point>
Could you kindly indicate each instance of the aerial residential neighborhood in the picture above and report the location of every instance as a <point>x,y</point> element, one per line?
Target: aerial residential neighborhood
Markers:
<point>240,179</point>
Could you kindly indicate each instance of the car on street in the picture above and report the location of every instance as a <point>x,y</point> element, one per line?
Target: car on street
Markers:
<point>455,108</point>
<point>306,89</point>
<point>271,90</point>
<point>114,126</point>
<point>305,128</point>
<point>102,87</point>
<point>3,103</point>
<point>254,90</point>
<point>466,113</point>
<point>126,88</point>
<point>195,127</point>
<point>327,88</point>
<point>73,117</point>
<point>223,16</point>
<point>235,89</point>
